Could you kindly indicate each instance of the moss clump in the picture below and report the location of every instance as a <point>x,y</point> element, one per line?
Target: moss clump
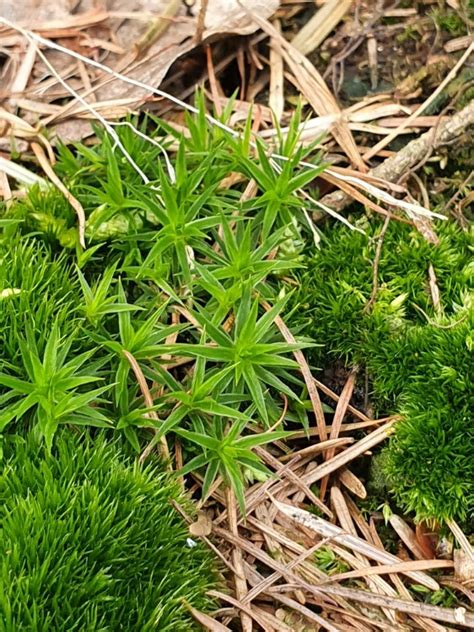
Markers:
<point>90,541</point>
<point>37,289</point>
<point>419,358</point>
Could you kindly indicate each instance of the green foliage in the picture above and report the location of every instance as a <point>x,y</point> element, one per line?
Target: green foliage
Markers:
<point>434,446</point>
<point>450,21</point>
<point>51,390</point>
<point>253,354</point>
<point>178,286</point>
<point>327,561</point>
<point>181,285</point>
<point>90,541</point>
<point>230,455</point>
<point>37,289</point>
<point>419,360</point>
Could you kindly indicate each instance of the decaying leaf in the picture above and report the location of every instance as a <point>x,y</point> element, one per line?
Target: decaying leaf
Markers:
<point>201,527</point>
<point>463,566</point>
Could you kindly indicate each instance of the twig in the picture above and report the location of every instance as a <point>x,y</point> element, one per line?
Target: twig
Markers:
<point>375,277</point>
<point>392,169</point>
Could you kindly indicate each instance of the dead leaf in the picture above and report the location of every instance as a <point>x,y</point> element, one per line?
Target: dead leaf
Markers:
<point>27,12</point>
<point>201,527</point>
<point>205,620</point>
<point>426,539</point>
<point>231,16</point>
<point>463,566</point>
<point>222,16</point>
<point>153,33</point>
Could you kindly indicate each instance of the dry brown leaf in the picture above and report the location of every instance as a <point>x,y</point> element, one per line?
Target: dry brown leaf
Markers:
<point>29,12</point>
<point>222,16</point>
<point>408,536</point>
<point>202,526</point>
<point>154,34</point>
<point>463,566</point>
<point>426,539</point>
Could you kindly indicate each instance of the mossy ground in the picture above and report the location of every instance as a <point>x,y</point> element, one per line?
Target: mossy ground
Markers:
<point>418,356</point>
<point>195,250</point>
<point>91,542</point>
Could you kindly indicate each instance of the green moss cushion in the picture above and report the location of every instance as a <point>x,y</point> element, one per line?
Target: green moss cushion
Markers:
<point>419,356</point>
<point>90,542</point>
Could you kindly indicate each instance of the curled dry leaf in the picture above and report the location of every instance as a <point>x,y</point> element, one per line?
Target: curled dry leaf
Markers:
<point>427,539</point>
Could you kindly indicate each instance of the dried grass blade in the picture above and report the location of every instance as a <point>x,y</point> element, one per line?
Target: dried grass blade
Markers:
<point>314,88</point>
<point>21,174</point>
<point>351,453</point>
<point>387,569</point>
<point>315,31</point>
<point>148,401</point>
<point>459,616</point>
<point>248,611</point>
<point>293,478</point>
<point>339,415</point>
<point>237,560</point>
<point>328,530</point>
<point>308,378</point>
<point>276,99</point>
<point>205,620</point>
<point>353,483</point>
<point>407,536</point>
<point>306,612</point>
<point>74,202</point>
<point>21,79</point>
<point>462,539</point>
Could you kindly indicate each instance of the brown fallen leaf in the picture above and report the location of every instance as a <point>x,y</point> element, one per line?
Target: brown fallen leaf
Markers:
<point>222,16</point>
<point>426,539</point>
<point>202,526</point>
<point>463,566</point>
<point>153,34</point>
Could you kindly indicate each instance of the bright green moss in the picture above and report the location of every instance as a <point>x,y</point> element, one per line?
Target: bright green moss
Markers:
<point>431,457</point>
<point>419,361</point>
<point>37,289</point>
<point>90,542</point>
